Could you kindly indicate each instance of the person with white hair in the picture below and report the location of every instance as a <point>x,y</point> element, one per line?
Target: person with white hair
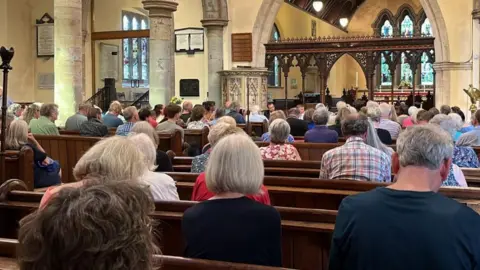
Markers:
<point>459,124</point>
<point>278,149</point>
<point>75,121</point>
<point>428,229</point>
<point>255,116</point>
<point>161,185</point>
<point>16,109</point>
<point>340,105</point>
<point>375,115</point>
<point>273,116</point>
<point>408,122</point>
<point>45,124</point>
<point>385,123</point>
<point>230,226</point>
<point>131,116</point>
<point>321,133</point>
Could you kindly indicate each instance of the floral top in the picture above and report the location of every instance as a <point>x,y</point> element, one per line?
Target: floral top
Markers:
<point>196,125</point>
<point>280,152</point>
<point>266,138</point>
<point>200,162</point>
<point>465,157</point>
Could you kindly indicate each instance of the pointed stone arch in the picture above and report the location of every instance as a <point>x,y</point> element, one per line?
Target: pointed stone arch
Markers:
<point>383,16</point>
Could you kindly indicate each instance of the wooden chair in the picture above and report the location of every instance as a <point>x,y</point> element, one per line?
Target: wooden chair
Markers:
<point>19,165</point>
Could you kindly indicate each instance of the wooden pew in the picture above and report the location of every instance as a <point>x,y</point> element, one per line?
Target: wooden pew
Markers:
<point>19,165</point>
<point>197,137</point>
<point>254,128</point>
<point>111,132</point>
<point>8,253</point>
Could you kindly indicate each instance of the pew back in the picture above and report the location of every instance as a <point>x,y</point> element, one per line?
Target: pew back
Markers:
<point>19,165</point>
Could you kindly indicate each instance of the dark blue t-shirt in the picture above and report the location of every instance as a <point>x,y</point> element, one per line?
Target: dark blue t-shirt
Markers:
<point>391,229</point>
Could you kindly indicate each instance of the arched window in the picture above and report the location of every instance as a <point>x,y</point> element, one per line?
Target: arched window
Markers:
<point>387,29</point>
<point>427,71</point>
<point>406,75</point>
<point>274,79</point>
<point>427,28</point>
<point>135,51</point>
<point>406,28</point>
<point>386,79</point>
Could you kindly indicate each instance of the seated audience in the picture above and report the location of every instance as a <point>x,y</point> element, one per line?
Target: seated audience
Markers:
<point>209,111</point>
<point>428,229</point>
<point>219,113</point>
<point>217,132</point>
<point>275,115</point>
<point>235,113</point>
<point>476,130</point>
<point>227,119</point>
<point>458,125</point>
<point>393,115</point>
<point>301,109</point>
<point>278,149</point>
<point>343,113</point>
<point>159,112</point>
<point>255,116</point>
<point>163,162</point>
<point>423,117</point>
<point>467,140</point>
<point>374,141</point>
<point>197,118</point>
<point>445,109</point>
<point>111,119</point>
<point>408,122</point>
<point>146,115</point>
<point>45,124</point>
<point>466,125</point>
<point>161,185</point>
<point>16,109</point>
<point>46,171</point>
<point>229,226</point>
<point>32,112</point>
<point>75,121</point>
<point>298,127</point>
<point>434,111</point>
<point>356,160</point>
<point>9,100</point>
<point>308,117</point>
<point>172,114</point>
<point>341,104</point>
<point>321,133</point>
<point>385,123</point>
<point>102,164</point>
<point>375,115</point>
<point>402,113</point>
<point>94,126</point>
<point>94,227</point>
<point>187,111</point>
<point>131,116</point>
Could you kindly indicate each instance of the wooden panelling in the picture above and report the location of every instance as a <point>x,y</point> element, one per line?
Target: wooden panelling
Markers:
<point>242,47</point>
<point>108,35</point>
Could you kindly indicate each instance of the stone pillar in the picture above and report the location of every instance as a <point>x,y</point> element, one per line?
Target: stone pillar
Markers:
<point>215,18</point>
<point>162,56</point>
<point>68,64</point>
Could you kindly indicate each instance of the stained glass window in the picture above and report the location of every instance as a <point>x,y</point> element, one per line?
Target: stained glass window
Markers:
<point>427,71</point>
<point>387,29</point>
<point>386,79</point>
<point>406,28</point>
<point>274,77</point>
<point>427,28</point>
<point>406,75</point>
<point>135,51</point>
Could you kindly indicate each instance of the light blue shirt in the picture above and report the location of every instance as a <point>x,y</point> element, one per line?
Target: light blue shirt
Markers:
<point>257,118</point>
<point>476,132</point>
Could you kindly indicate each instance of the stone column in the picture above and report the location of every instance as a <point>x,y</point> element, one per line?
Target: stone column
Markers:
<point>215,18</point>
<point>161,49</point>
<point>68,64</point>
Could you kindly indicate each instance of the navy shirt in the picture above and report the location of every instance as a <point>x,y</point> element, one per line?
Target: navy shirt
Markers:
<point>111,120</point>
<point>391,229</point>
<point>321,134</point>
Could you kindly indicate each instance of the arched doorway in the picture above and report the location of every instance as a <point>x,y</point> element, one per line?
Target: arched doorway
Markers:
<point>346,73</point>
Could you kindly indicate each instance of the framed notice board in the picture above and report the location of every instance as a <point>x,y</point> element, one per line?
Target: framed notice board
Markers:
<point>242,47</point>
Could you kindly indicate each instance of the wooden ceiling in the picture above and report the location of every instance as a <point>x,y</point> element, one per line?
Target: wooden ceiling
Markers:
<point>332,10</point>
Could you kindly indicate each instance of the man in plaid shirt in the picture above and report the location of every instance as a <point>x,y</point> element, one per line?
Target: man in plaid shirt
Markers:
<point>356,160</point>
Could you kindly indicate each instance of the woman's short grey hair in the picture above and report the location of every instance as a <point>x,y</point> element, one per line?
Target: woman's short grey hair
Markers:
<point>221,130</point>
<point>147,129</point>
<point>254,109</point>
<point>424,146</point>
<point>111,159</point>
<point>319,105</point>
<point>340,105</point>
<point>458,120</point>
<point>412,110</point>
<point>279,131</point>
<point>226,167</point>
<point>320,116</point>
<point>467,139</point>
<point>145,145</point>
<point>129,112</point>
<point>414,115</point>
<point>374,113</point>
<point>276,115</point>
<point>446,123</point>
<point>48,109</point>
<point>17,135</point>
<point>355,126</point>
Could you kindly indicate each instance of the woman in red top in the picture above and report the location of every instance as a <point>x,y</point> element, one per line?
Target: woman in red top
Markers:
<point>201,192</point>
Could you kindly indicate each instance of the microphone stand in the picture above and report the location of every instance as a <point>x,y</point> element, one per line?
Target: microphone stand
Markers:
<point>6,56</point>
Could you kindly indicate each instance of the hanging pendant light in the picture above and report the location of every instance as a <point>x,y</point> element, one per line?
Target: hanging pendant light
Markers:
<point>344,22</point>
<point>317,5</point>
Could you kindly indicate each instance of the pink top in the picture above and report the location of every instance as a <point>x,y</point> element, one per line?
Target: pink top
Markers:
<point>280,152</point>
<point>407,122</point>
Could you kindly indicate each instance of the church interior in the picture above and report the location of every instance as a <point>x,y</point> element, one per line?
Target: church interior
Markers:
<point>239,134</point>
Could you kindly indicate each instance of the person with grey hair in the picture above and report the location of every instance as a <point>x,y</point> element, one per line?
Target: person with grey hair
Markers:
<point>459,124</point>
<point>255,115</point>
<point>9,117</point>
<point>75,121</point>
<point>409,121</point>
<point>476,129</point>
<point>298,127</point>
<point>16,109</point>
<point>94,127</point>
<point>375,115</point>
<point>385,123</point>
<point>235,113</point>
<point>279,130</point>
<point>321,133</point>
<point>131,116</point>
<point>445,109</point>
<point>428,229</point>
<point>355,160</point>
<point>230,226</point>
<point>45,124</point>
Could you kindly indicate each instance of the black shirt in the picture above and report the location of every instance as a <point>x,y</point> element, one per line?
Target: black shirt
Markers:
<point>93,128</point>
<point>390,229</point>
<point>298,127</point>
<point>384,136</point>
<point>164,164</point>
<point>233,230</point>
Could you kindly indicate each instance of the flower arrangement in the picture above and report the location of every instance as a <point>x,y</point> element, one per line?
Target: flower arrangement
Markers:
<point>405,84</point>
<point>176,100</point>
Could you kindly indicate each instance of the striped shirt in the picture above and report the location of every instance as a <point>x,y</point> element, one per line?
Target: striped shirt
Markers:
<point>356,160</point>
<point>393,127</point>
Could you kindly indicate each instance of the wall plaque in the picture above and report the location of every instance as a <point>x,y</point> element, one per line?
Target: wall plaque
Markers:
<point>189,88</point>
<point>189,40</point>
<point>242,47</point>
<point>45,36</point>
